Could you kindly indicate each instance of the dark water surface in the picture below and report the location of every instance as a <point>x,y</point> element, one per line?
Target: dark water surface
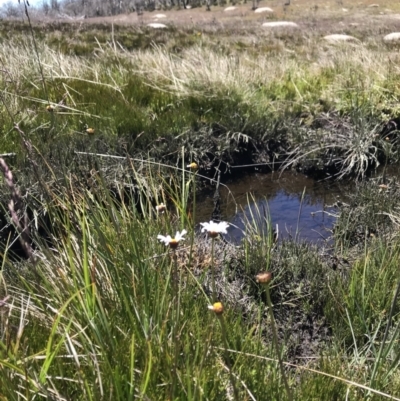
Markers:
<point>299,205</point>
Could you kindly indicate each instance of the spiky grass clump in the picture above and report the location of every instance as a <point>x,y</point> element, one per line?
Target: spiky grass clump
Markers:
<point>95,298</point>
<point>101,296</point>
<point>370,213</point>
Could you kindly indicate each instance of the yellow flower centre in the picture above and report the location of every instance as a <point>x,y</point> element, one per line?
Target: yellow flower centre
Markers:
<point>218,308</point>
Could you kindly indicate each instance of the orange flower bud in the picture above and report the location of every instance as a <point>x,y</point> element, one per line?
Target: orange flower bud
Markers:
<point>193,166</point>
<point>264,278</point>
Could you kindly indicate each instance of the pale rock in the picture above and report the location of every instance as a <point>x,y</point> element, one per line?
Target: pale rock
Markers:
<point>157,25</point>
<point>277,24</point>
<point>231,8</point>
<point>263,10</point>
<point>393,16</point>
<point>393,37</point>
<point>337,38</point>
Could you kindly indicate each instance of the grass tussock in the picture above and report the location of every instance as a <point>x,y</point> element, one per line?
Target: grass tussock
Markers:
<point>107,291</point>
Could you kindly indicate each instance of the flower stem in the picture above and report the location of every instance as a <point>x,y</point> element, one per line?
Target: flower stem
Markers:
<point>214,290</point>
<point>226,346</point>
<point>276,341</point>
<point>194,199</point>
<point>175,323</point>
<point>193,219</point>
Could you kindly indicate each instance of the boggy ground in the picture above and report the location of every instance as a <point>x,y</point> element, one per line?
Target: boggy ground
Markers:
<point>100,290</point>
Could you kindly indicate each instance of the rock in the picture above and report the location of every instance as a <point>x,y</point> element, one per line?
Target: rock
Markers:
<point>231,8</point>
<point>345,10</point>
<point>277,24</point>
<point>160,16</point>
<point>393,37</point>
<point>264,10</point>
<point>337,38</point>
<point>373,5</point>
<point>157,25</point>
<point>393,16</point>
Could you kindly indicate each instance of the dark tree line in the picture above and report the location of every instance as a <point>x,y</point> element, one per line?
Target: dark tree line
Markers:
<point>92,8</point>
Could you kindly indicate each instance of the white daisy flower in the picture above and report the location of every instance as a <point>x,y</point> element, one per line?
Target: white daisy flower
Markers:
<point>214,229</point>
<point>172,242</point>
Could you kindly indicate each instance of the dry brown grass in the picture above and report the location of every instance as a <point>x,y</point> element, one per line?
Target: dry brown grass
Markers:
<point>327,15</point>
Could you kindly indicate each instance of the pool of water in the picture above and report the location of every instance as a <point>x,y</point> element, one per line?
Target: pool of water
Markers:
<point>301,207</point>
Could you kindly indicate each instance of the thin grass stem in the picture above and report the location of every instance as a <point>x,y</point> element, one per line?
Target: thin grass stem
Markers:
<point>276,341</point>
<point>227,357</point>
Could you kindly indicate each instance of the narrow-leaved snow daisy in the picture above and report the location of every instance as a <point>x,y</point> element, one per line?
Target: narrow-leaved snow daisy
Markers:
<point>172,242</point>
<point>214,229</point>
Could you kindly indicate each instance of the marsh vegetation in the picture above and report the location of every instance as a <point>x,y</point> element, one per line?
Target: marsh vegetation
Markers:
<point>102,122</point>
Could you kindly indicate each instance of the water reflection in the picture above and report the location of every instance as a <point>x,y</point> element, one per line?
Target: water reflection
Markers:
<point>296,203</point>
